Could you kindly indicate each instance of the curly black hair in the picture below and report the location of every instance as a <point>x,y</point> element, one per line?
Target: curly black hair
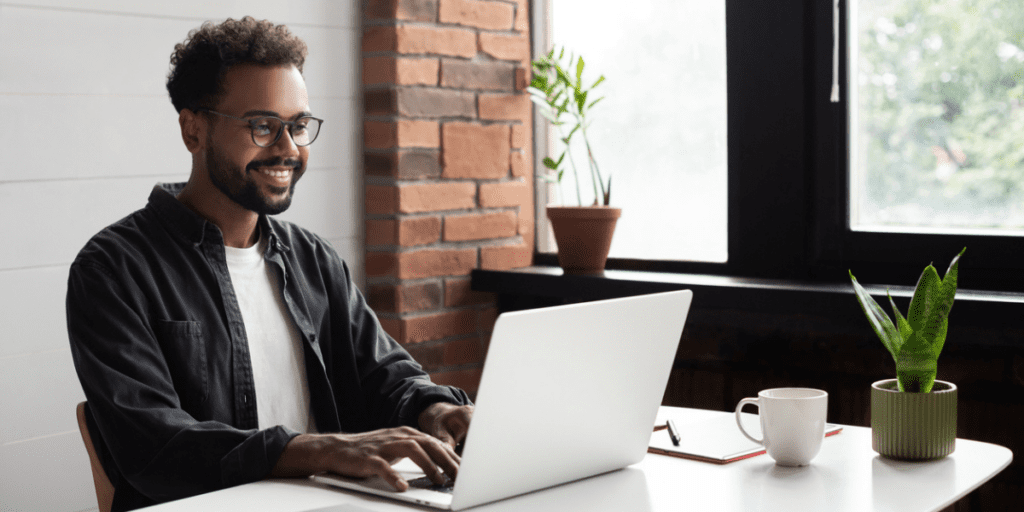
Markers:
<point>198,64</point>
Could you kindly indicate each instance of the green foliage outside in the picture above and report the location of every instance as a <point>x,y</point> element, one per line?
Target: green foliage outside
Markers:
<point>941,85</point>
<point>915,341</point>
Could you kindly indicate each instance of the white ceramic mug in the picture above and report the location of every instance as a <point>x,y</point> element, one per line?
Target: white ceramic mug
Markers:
<point>792,423</point>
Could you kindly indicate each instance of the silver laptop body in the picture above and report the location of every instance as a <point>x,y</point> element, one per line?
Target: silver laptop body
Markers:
<point>567,392</point>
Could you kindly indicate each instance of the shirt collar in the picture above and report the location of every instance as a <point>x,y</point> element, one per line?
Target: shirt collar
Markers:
<point>192,227</point>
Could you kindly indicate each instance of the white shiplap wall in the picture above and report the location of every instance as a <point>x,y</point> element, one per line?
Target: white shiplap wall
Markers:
<point>86,131</point>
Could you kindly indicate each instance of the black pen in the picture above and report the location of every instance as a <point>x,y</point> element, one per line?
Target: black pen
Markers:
<point>673,433</point>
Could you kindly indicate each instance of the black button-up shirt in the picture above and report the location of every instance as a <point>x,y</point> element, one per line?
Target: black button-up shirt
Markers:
<point>160,349</point>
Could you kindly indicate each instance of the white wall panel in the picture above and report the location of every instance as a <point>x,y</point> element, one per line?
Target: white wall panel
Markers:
<point>68,52</point>
<point>75,137</point>
<point>334,13</point>
<point>40,394</point>
<point>32,311</point>
<point>89,137</point>
<point>46,475</point>
<point>58,217</point>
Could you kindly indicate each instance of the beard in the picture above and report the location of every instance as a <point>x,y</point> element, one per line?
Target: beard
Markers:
<point>236,183</point>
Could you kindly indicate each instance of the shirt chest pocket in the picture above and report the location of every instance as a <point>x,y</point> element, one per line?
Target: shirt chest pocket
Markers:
<point>184,347</point>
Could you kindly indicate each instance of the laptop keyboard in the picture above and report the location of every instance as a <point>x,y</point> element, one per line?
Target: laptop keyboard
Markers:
<point>426,483</point>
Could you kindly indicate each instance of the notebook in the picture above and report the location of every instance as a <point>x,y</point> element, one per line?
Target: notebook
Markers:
<point>716,440</point>
<point>566,393</point>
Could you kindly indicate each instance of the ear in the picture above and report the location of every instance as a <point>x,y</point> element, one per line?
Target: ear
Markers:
<point>193,130</point>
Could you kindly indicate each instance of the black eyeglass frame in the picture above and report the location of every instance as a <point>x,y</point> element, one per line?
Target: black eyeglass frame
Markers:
<point>255,121</point>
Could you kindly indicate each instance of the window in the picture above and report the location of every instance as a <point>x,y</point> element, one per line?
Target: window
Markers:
<point>660,131</point>
<point>793,207</point>
<point>936,117</point>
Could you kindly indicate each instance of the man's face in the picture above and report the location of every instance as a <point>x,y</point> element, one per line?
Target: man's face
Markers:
<point>259,179</point>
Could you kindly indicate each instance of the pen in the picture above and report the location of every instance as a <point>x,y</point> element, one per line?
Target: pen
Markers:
<point>673,433</point>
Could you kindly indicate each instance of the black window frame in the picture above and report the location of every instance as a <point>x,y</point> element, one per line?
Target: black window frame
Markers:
<point>788,167</point>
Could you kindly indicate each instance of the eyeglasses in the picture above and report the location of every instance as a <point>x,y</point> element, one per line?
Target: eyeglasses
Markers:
<point>266,130</point>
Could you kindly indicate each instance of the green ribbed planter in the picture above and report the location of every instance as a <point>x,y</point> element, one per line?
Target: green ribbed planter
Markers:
<point>913,426</point>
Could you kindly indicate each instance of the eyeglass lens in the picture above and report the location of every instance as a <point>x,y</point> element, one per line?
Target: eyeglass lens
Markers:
<point>267,130</point>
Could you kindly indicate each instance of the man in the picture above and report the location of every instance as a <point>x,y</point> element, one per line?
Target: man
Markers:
<point>214,342</point>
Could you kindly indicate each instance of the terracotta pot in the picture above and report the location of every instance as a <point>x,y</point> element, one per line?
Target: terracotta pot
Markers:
<point>913,426</point>
<point>584,235</point>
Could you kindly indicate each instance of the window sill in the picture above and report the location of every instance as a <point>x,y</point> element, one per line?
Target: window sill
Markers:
<point>547,285</point>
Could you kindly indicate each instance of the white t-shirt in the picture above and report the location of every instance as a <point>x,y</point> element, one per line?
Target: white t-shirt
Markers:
<point>275,347</point>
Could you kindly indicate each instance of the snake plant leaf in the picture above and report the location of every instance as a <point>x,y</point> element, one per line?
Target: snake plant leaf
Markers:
<point>916,365</point>
<point>902,323</point>
<point>933,300</point>
<point>879,321</point>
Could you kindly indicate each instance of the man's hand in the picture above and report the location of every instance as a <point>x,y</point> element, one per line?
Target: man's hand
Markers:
<point>446,422</point>
<point>368,454</point>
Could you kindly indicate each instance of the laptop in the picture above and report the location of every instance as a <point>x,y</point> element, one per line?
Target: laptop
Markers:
<point>567,392</point>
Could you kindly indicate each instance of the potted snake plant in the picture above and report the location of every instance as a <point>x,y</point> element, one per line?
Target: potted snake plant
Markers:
<point>913,417</point>
<point>583,232</point>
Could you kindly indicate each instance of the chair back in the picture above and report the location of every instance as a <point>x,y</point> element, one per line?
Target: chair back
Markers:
<point>104,489</point>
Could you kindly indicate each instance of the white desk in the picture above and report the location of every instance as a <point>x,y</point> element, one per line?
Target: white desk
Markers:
<point>845,476</point>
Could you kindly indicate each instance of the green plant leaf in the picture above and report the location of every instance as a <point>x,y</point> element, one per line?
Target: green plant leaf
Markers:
<point>581,100</point>
<point>599,80</point>
<point>550,164</point>
<point>579,71</point>
<point>592,103</point>
<point>904,326</point>
<point>879,321</point>
<point>916,365</point>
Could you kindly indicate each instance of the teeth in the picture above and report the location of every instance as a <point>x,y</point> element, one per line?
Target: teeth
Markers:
<point>276,174</point>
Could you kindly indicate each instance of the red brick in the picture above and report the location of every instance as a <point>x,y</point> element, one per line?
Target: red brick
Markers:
<point>505,257</point>
<point>458,292</point>
<point>409,10</point>
<point>509,193</point>
<point>381,232</point>
<point>381,199</point>
<point>441,325</point>
<point>522,79</point>
<point>521,165</point>
<point>432,197</point>
<point>489,75</point>
<point>381,264</point>
<point>488,317</point>
<point>403,298</point>
<point>426,102</point>
<point>475,151</point>
<point>506,107</point>
<point>380,102</point>
<point>378,135</point>
<point>467,380</point>
<point>476,13</point>
<point>434,263</point>
<point>506,46</point>
<point>403,164</point>
<point>522,23</point>
<point>379,39</point>
<point>459,228</point>
<point>418,231</point>
<point>400,71</point>
<point>433,356</point>
<point>414,39</point>
<point>520,136</point>
<point>418,134</point>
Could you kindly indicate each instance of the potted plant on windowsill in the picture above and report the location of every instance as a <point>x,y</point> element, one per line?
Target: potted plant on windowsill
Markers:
<point>583,233</point>
<point>913,417</point>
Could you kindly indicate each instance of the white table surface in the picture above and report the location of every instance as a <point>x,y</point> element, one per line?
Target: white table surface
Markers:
<point>847,475</point>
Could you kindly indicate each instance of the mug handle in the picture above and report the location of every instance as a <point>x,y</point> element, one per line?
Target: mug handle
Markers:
<point>739,407</point>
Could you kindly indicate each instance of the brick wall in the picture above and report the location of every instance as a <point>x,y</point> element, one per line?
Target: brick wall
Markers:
<point>448,164</point>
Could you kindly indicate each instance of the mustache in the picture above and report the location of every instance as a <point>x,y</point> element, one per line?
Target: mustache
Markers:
<point>275,162</point>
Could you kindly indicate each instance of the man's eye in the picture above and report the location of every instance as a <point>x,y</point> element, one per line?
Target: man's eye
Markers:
<point>299,128</point>
<point>262,129</point>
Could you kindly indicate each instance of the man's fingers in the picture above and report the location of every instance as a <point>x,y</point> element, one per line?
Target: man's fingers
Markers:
<point>381,468</point>
<point>442,454</point>
<point>414,450</point>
